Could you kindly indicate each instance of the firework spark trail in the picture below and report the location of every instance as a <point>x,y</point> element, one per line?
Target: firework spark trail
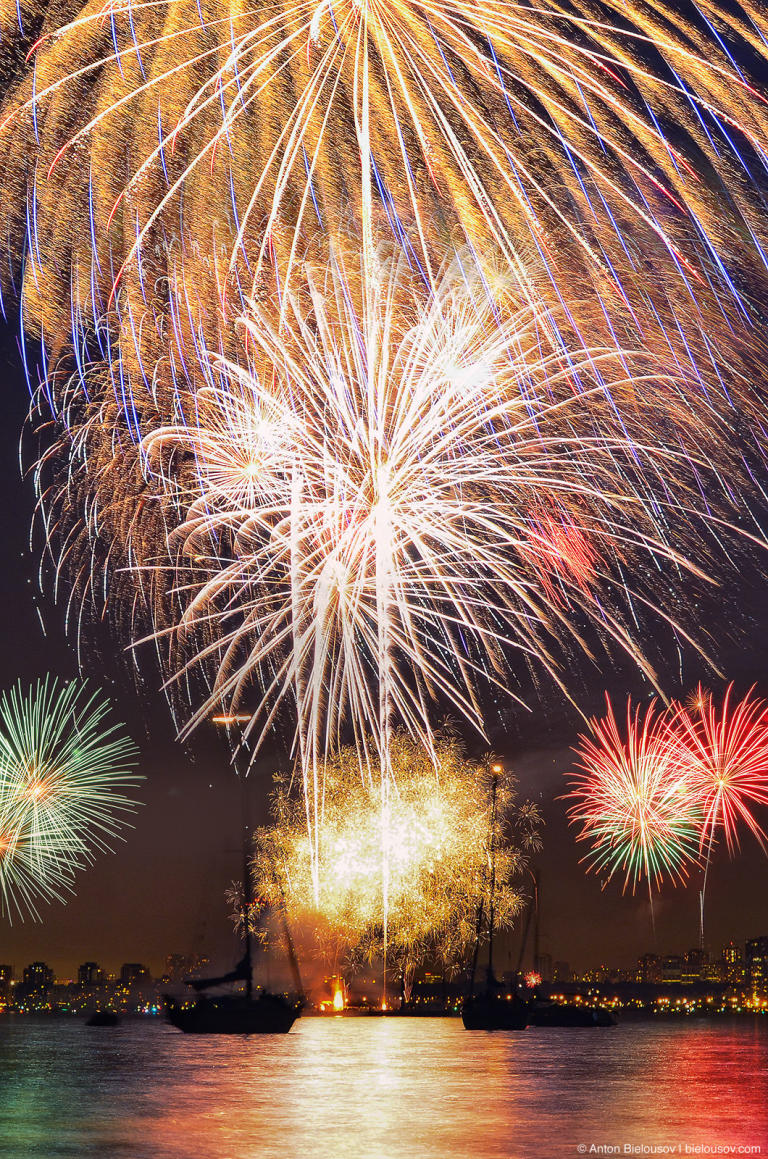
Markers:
<point>515,128</point>
<point>725,751</point>
<point>634,801</point>
<point>655,800</point>
<point>397,490</point>
<point>63,767</point>
<point>439,827</point>
<point>505,124</point>
<point>104,84</point>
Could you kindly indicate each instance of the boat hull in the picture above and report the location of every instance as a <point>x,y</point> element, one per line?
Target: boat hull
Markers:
<point>103,1018</point>
<point>570,1016</point>
<point>267,1014</point>
<point>494,1013</point>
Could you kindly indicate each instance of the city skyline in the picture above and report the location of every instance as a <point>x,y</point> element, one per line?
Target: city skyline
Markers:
<point>734,980</point>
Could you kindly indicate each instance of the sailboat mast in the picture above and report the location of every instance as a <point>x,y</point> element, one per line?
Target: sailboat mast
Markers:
<point>247,893</point>
<point>494,785</point>
<point>475,953</point>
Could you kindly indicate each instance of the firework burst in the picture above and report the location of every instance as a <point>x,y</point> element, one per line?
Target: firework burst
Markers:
<point>635,803</point>
<point>725,749</point>
<point>438,832</point>
<point>504,126</point>
<point>398,490</point>
<point>404,105</point>
<point>63,767</point>
<point>520,130</point>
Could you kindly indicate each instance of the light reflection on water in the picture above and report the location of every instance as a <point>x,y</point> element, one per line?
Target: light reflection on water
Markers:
<point>365,1088</point>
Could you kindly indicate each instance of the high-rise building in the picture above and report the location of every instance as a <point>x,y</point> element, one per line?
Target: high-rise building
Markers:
<point>38,979</point>
<point>649,968</point>
<point>39,975</point>
<point>714,972</point>
<point>733,959</point>
<point>756,964</point>
<point>561,972</point>
<point>133,973</point>
<point>672,968</point>
<point>181,966</point>
<point>6,977</point>
<point>694,966</point>
<point>176,967</point>
<point>543,967</point>
<point>90,974</point>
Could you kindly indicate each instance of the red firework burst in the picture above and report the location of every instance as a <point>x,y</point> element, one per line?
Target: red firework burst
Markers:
<point>725,752</point>
<point>633,799</point>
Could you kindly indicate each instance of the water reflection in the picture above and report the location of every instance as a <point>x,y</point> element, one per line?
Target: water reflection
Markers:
<point>375,1088</point>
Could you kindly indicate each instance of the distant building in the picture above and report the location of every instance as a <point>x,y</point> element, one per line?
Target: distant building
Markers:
<point>649,968</point>
<point>733,960</point>
<point>597,975</point>
<point>542,966</point>
<point>181,966</point>
<point>33,991</point>
<point>6,978</point>
<point>38,976</point>
<point>714,972</point>
<point>672,968</point>
<point>694,966</point>
<point>176,967</point>
<point>90,974</point>
<point>561,972</point>
<point>133,974</point>
<point>756,964</point>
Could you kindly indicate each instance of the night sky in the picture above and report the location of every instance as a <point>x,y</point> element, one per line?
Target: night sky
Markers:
<point>163,890</point>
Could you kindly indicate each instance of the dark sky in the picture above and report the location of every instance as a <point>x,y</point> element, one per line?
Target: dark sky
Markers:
<point>163,890</point>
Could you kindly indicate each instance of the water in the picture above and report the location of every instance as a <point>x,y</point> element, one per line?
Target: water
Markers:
<point>372,1088</point>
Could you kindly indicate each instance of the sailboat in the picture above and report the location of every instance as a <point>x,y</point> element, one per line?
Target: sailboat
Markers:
<point>253,1010</point>
<point>489,1007</point>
